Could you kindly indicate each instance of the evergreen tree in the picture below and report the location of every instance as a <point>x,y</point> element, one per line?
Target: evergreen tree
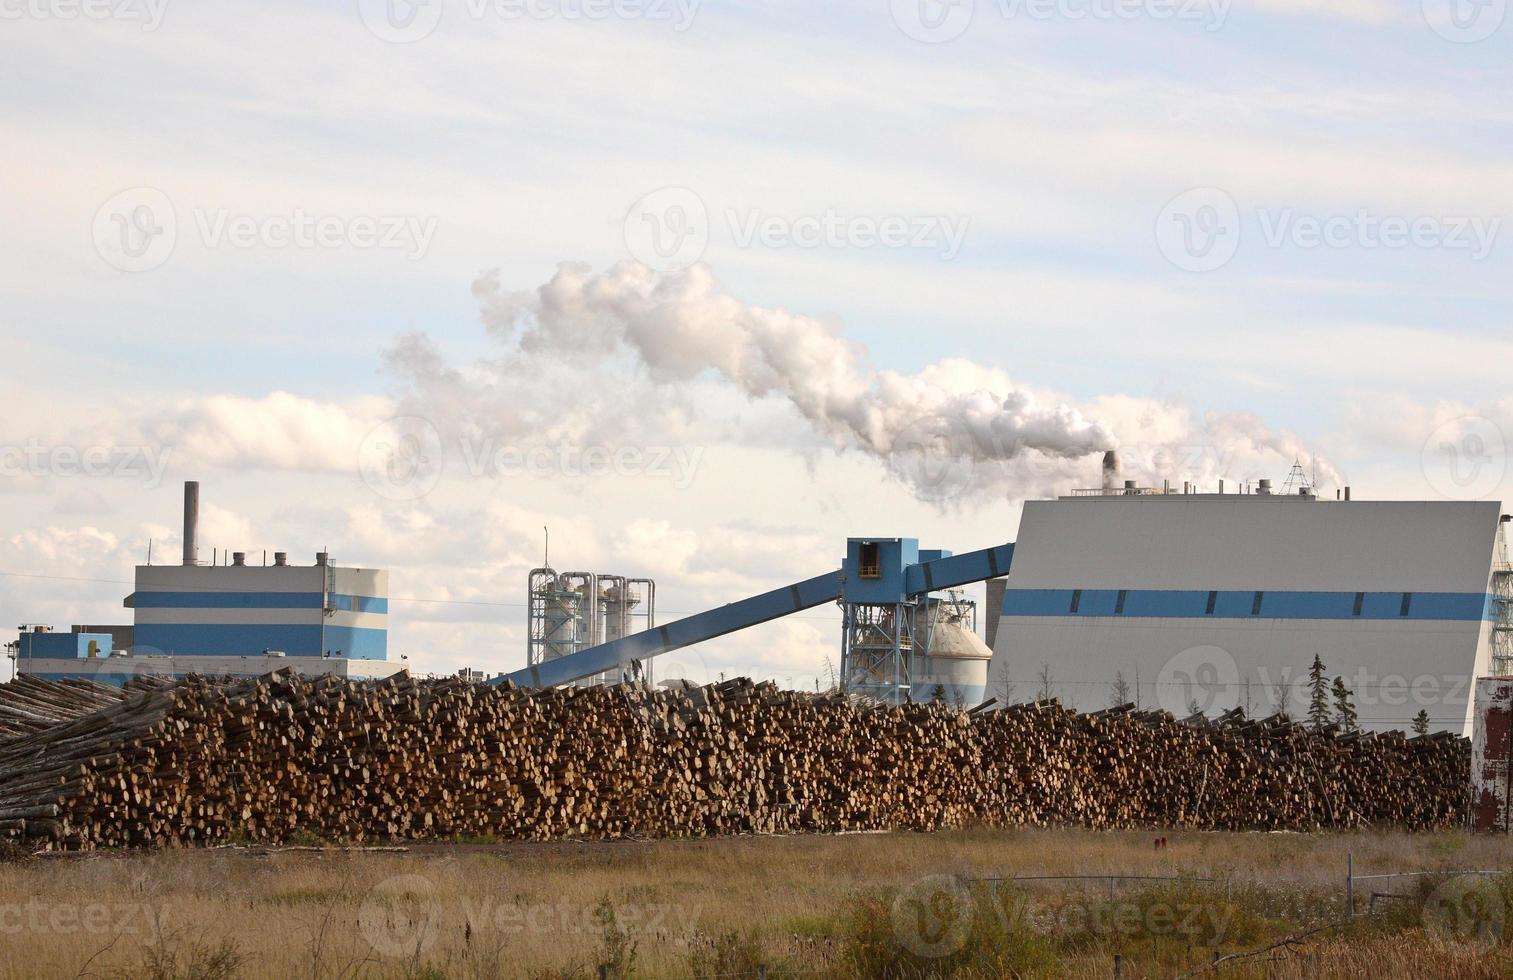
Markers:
<point>1318,695</point>
<point>1344,706</point>
<point>939,694</point>
<point>1421,722</point>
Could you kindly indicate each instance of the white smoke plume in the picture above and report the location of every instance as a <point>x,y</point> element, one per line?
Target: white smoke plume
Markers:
<point>952,429</point>
<point>680,325</point>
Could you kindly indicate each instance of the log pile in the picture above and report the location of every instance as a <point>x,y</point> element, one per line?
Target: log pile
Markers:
<point>206,761</point>
<point>30,704</point>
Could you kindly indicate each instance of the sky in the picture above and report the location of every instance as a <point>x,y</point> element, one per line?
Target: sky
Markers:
<point>706,287</point>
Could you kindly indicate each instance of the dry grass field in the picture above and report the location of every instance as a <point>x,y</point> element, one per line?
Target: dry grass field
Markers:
<point>875,905</point>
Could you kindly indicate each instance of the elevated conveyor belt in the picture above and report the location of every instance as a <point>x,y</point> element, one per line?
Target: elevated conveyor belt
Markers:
<point>930,576</point>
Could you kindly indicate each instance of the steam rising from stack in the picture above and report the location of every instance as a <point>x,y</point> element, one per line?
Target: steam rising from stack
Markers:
<point>951,426</point>
<point>679,326</point>
<point>1110,470</point>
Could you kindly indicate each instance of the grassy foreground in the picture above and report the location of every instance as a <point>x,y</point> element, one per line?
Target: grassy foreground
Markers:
<point>877,905</point>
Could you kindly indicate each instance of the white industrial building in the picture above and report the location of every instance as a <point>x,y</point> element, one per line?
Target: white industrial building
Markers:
<point>1218,600</point>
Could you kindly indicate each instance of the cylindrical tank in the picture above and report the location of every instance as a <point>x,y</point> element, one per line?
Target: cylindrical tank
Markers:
<point>956,668</point>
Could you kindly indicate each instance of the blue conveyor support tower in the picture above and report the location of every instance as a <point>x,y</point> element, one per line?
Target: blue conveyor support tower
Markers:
<point>932,571</point>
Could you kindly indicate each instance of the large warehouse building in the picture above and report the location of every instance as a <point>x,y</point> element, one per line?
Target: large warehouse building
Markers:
<point>1209,601</point>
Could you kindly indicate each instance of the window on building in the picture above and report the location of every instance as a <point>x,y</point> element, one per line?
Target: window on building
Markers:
<point>1076,600</point>
<point>1213,600</point>
<point>1119,602</point>
<point>1255,604</point>
<point>1360,600</point>
<point>1407,604</point>
<point>870,562</point>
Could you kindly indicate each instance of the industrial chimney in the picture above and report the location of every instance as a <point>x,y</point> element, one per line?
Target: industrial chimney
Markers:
<point>1110,470</point>
<point>191,520</point>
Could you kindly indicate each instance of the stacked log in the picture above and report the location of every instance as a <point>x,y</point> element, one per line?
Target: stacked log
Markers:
<point>30,704</point>
<point>205,761</point>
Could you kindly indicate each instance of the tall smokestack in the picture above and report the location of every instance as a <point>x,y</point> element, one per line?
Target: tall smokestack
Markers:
<point>191,520</point>
<point>1110,470</point>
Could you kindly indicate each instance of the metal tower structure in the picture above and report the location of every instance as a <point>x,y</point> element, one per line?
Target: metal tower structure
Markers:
<point>1502,606</point>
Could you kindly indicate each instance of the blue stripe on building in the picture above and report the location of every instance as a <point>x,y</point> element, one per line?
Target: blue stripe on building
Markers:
<point>296,641</point>
<point>257,600</point>
<point>1178,604</point>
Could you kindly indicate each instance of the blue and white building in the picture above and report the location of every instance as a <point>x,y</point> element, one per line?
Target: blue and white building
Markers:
<point>1221,600</point>
<point>315,610</point>
<point>231,618</point>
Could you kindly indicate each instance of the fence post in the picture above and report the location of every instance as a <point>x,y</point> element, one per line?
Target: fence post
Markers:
<point>1350,885</point>
<point>761,971</point>
<point>1118,966</point>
